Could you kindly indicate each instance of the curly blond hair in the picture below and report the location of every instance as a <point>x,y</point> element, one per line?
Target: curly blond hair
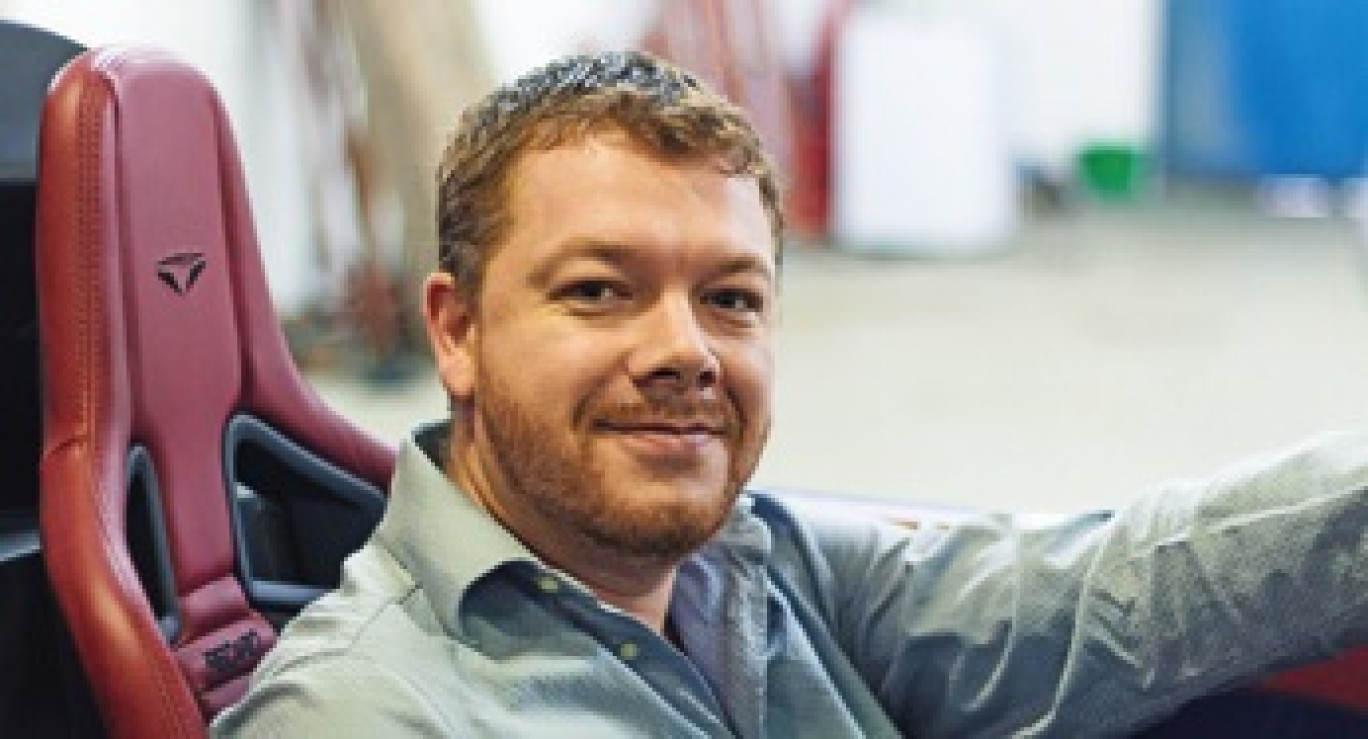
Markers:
<point>662,108</point>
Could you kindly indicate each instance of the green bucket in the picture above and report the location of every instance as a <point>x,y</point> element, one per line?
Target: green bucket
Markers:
<point>1111,172</point>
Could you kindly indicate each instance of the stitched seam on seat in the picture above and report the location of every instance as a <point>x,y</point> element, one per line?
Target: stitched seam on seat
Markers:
<point>90,129</point>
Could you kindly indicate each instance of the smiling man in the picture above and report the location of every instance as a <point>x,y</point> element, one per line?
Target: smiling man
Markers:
<point>572,552</point>
<point>617,360</point>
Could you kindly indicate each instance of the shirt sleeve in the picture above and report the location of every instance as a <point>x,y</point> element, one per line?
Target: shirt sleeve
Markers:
<point>1096,624</point>
<point>336,697</point>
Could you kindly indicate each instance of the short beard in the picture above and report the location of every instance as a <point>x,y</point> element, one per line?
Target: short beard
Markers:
<point>557,475</point>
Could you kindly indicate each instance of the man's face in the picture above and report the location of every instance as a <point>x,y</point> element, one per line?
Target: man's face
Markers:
<point>618,365</point>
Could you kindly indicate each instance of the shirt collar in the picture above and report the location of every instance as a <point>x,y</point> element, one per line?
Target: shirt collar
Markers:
<point>443,538</point>
<point>449,543</point>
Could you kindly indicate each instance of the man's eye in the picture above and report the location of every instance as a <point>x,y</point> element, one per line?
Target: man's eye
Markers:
<point>591,291</point>
<point>737,301</point>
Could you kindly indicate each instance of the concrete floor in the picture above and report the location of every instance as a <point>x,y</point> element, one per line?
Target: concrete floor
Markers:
<point>1104,351</point>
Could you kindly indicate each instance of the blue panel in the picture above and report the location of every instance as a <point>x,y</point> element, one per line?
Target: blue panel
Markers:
<point>1265,87</point>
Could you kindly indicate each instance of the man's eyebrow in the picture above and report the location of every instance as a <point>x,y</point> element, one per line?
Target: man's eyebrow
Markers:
<point>747,263</point>
<point>607,252</point>
<point>617,254</point>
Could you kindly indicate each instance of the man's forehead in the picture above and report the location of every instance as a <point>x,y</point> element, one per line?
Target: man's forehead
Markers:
<point>552,136</point>
<point>607,154</point>
<point>586,199</point>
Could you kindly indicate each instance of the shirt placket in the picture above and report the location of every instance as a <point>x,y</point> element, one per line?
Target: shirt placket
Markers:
<point>746,604</point>
<point>722,616</point>
<point>670,675</point>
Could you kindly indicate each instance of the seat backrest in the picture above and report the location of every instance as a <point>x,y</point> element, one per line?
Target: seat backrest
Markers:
<point>195,492</point>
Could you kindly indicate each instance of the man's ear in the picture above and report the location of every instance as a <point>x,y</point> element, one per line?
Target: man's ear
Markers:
<point>450,317</point>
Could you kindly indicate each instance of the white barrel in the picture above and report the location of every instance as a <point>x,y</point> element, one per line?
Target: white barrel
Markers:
<point>922,161</point>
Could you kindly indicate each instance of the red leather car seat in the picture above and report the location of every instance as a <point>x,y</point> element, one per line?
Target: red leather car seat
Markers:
<point>194,490</point>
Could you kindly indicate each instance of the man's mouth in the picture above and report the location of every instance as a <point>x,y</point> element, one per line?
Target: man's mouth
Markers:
<point>674,427</point>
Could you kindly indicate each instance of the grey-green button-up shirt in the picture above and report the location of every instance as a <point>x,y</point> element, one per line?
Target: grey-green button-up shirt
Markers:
<point>792,625</point>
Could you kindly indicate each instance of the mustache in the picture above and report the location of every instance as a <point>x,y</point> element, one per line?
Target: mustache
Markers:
<point>712,414</point>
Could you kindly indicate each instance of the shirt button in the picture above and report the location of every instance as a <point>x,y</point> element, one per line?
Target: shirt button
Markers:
<point>548,584</point>
<point>629,651</point>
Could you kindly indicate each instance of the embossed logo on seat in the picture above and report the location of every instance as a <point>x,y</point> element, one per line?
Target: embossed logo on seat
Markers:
<point>180,271</point>
<point>235,656</point>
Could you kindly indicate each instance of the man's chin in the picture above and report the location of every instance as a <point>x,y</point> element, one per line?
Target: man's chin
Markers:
<point>663,529</point>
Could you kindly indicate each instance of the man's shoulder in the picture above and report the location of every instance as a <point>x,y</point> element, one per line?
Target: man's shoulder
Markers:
<point>377,615</point>
<point>807,525</point>
<point>360,648</point>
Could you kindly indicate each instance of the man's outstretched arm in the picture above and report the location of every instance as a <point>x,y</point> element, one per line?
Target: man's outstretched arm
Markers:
<point>1104,622</point>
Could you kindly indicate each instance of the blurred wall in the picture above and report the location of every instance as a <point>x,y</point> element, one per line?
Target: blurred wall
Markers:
<point>1077,70</point>
<point>523,34</point>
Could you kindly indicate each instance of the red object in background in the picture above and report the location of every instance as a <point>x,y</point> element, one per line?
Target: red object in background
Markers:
<point>809,203</point>
<point>729,44</point>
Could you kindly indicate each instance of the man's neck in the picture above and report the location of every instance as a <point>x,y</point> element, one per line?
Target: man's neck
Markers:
<point>639,585</point>
<point>644,596</point>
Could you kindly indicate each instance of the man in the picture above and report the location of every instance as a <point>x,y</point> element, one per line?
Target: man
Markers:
<point>572,554</point>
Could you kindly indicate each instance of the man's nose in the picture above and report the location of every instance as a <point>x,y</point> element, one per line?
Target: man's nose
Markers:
<point>674,350</point>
